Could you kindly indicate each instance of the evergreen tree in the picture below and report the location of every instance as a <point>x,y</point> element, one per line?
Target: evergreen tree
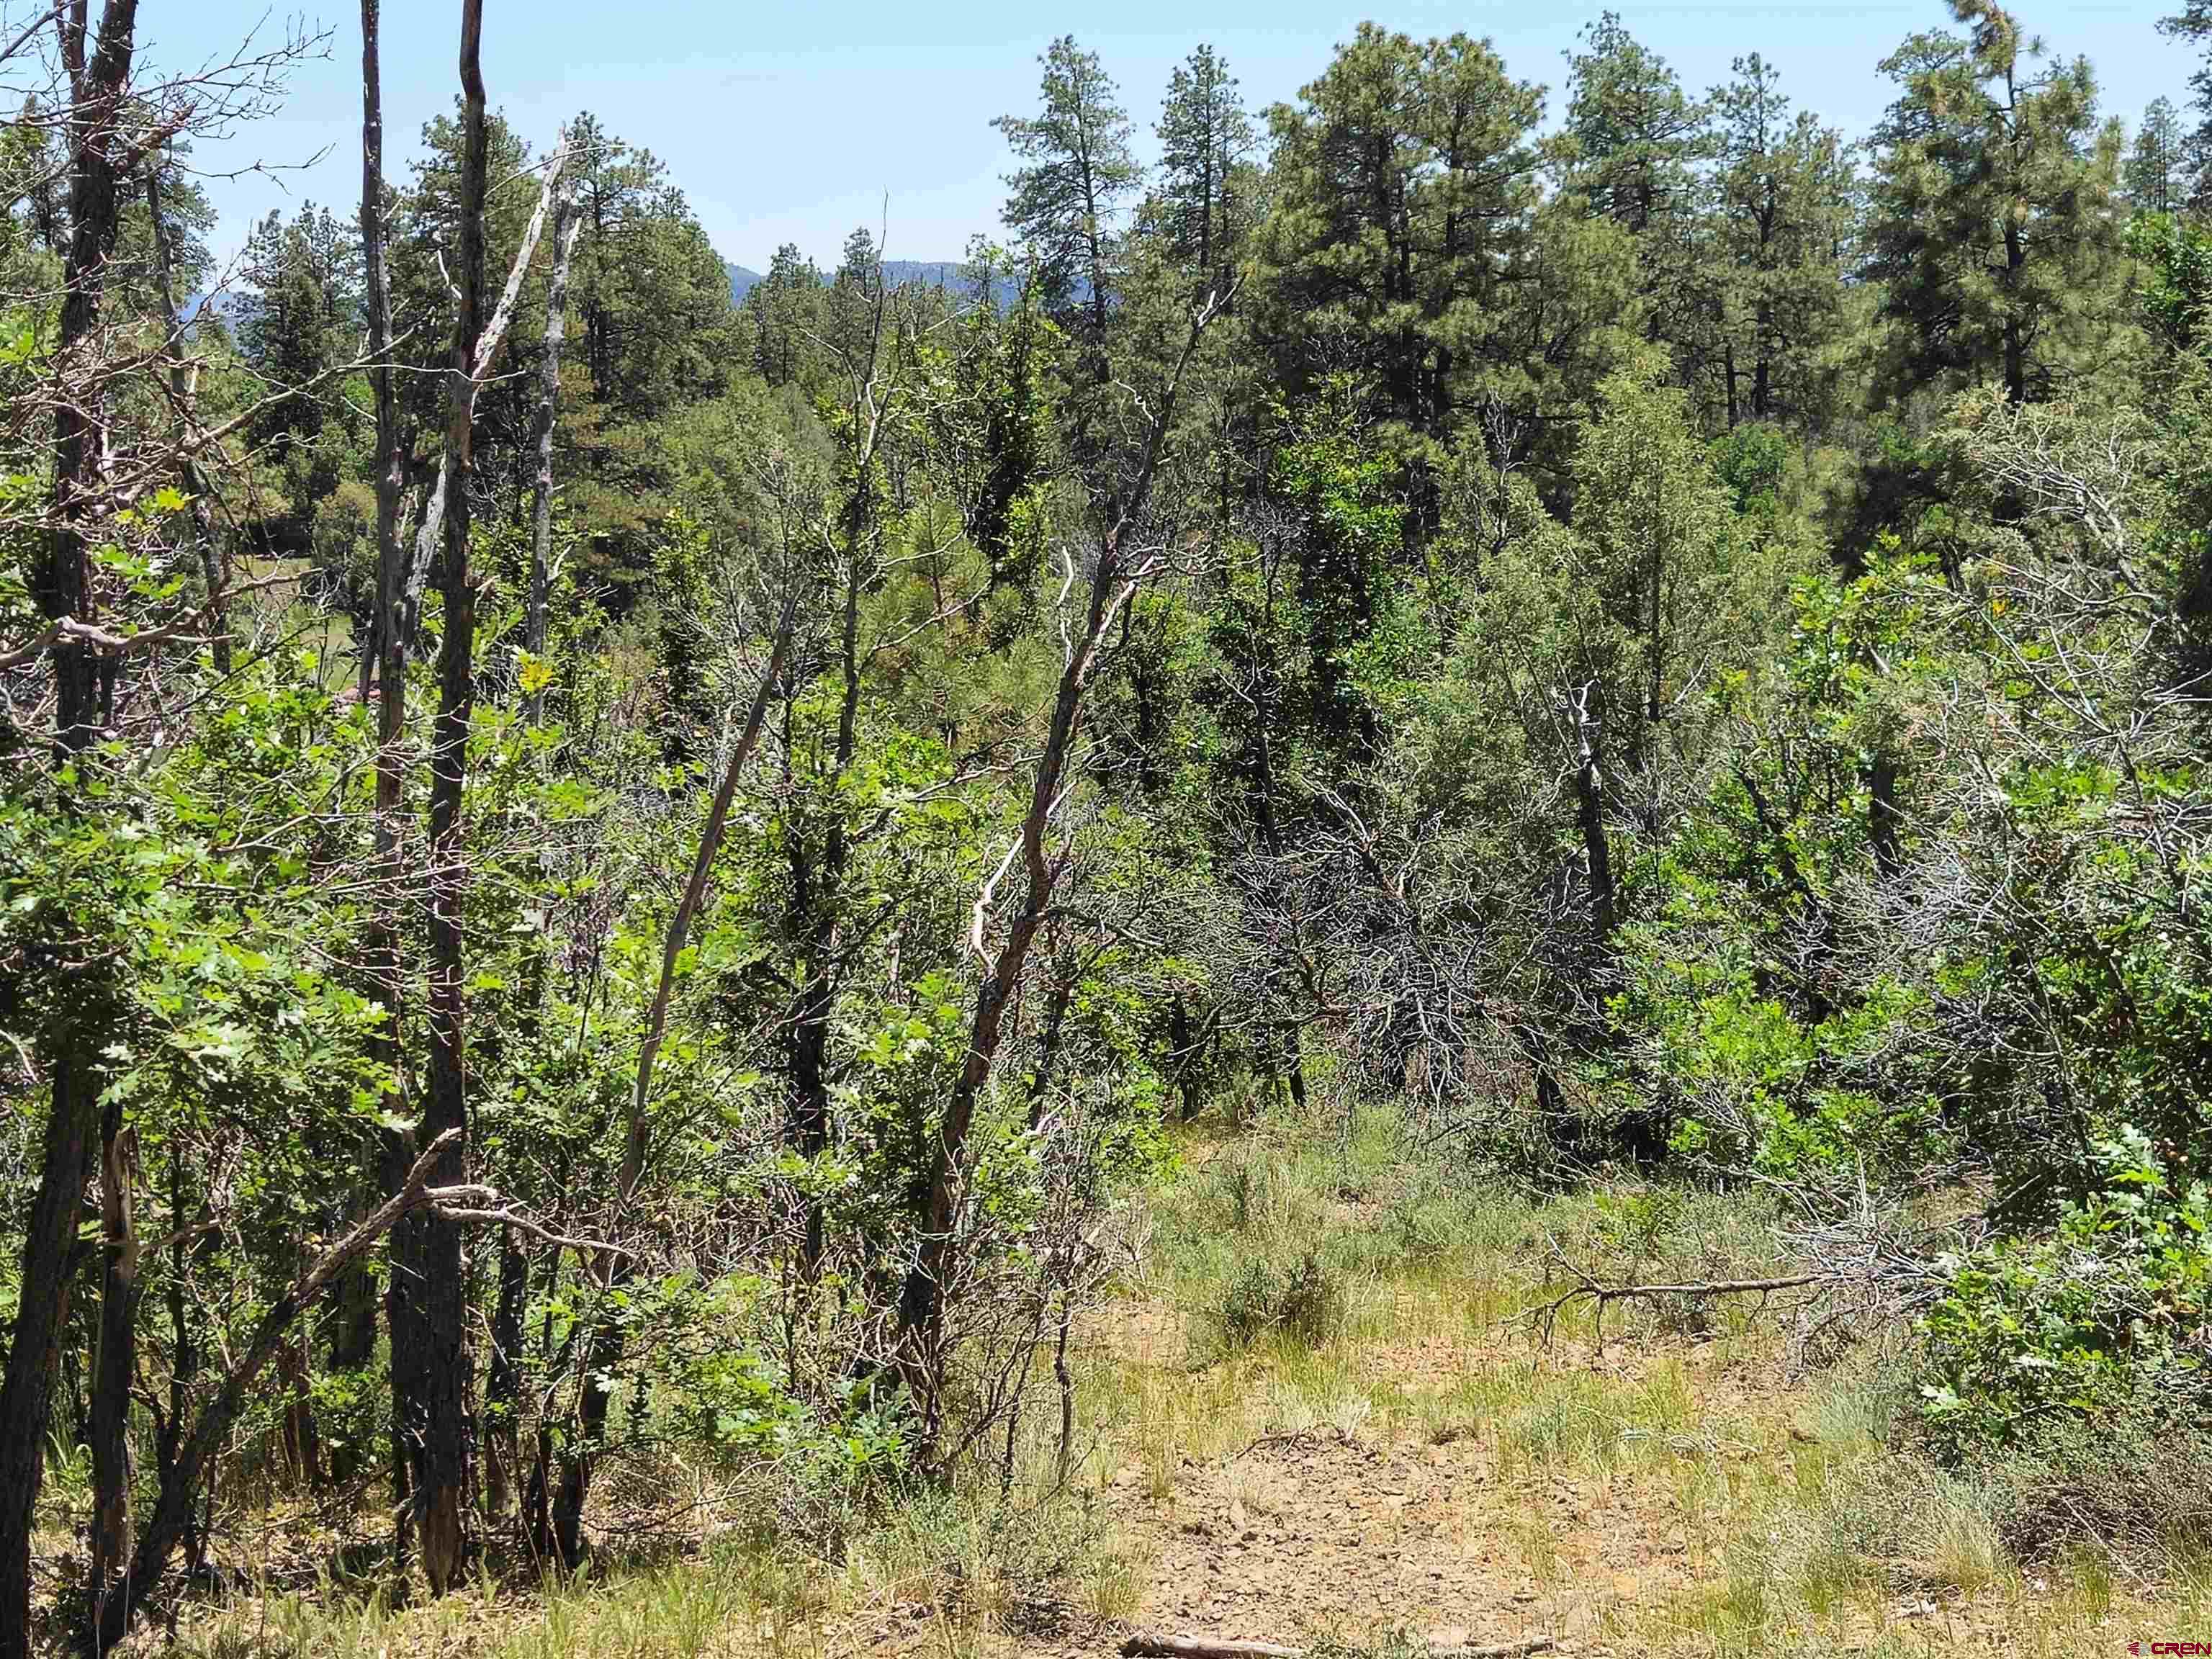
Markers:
<point>1782,192</point>
<point>1635,145</point>
<point>1992,225</point>
<point>2156,175</point>
<point>785,310</point>
<point>1399,242</point>
<point>1205,134</point>
<point>1077,171</point>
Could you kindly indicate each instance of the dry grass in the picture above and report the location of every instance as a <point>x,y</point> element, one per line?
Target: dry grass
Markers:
<point>1427,1470</point>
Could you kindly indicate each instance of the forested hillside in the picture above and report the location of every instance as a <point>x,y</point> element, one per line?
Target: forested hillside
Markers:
<point>1470,771</point>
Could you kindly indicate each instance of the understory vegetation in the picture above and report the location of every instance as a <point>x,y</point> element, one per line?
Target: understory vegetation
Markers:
<point>1431,876</point>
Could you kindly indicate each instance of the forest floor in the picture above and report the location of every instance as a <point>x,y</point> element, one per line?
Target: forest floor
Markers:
<point>1423,1470</point>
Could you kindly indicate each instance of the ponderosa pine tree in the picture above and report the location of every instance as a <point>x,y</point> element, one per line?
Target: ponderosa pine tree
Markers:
<point>1204,135</point>
<point>1993,227</point>
<point>2155,173</point>
<point>1636,147</point>
<point>784,309</point>
<point>1078,174</point>
<point>1405,180</point>
<point>1782,191</point>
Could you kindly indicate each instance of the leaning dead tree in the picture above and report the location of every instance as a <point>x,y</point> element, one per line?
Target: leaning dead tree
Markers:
<point>557,1500</point>
<point>1126,556</point>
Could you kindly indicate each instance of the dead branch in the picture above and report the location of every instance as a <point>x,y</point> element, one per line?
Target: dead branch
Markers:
<point>1602,1296</point>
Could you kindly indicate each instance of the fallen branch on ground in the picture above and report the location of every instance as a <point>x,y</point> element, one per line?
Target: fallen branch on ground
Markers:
<point>1145,1644</point>
<point>1602,1295</point>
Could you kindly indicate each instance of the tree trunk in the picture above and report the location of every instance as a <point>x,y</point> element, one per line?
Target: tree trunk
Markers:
<point>62,585</point>
<point>440,1396</point>
<point>503,1382</point>
<point>1884,821</point>
<point>818,895</point>
<point>1761,388</point>
<point>1589,804</point>
<point>384,667</point>
<point>2015,346</point>
<point>117,1364</point>
<point>567,222</point>
<point>922,1333</point>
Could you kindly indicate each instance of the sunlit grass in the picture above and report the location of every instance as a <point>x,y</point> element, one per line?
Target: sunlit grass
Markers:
<point>1786,1524</point>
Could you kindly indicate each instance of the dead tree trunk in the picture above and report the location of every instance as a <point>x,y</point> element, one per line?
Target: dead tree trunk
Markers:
<point>62,585</point>
<point>431,1351</point>
<point>1117,574</point>
<point>559,1534</point>
<point>1884,821</point>
<point>503,1380</point>
<point>567,222</point>
<point>1590,811</point>
<point>384,667</point>
<point>184,390</point>
<point>818,883</point>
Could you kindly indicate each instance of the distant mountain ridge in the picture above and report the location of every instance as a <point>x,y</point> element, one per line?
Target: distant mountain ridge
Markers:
<point>949,274</point>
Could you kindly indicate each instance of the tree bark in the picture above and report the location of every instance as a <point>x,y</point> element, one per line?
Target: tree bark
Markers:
<point>440,1392</point>
<point>384,668</point>
<point>503,1382</point>
<point>116,1366</point>
<point>1589,805</point>
<point>1884,821</point>
<point>62,587</point>
<point>818,887</point>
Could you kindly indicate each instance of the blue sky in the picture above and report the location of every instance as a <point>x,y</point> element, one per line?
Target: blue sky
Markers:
<point>790,123</point>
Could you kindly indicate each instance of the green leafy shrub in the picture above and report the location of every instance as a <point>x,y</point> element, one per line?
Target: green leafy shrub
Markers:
<point>2110,1307</point>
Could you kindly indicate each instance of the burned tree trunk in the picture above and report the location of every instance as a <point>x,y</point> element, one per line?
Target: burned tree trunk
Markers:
<point>503,1380</point>
<point>384,669</point>
<point>1884,821</point>
<point>117,1364</point>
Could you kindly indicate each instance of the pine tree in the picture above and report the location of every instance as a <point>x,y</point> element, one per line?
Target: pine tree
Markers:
<point>1782,184</point>
<point>1204,135</point>
<point>1404,193</point>
<point>785,311</point>
<point>1078,171</point>
<point>1993,229</point>
<point>2157,171</point>
<point>1637,147</point>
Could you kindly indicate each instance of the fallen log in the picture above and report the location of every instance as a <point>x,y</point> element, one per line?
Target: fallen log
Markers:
<point>1148,1645</point>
